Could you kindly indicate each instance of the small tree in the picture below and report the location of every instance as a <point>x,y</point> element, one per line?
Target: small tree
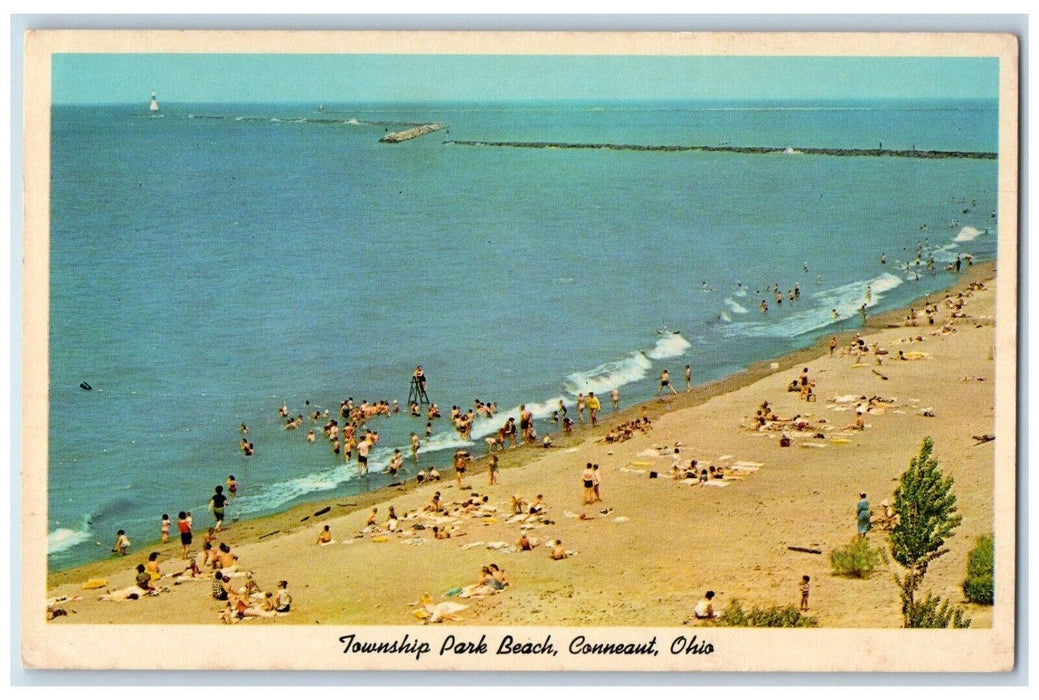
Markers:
<point>927,510</point>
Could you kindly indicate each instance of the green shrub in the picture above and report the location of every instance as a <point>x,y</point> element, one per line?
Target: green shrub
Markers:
<point>858,559</point>
<point>978,587</point>
<point>932,613</point>
<point>776,616</point>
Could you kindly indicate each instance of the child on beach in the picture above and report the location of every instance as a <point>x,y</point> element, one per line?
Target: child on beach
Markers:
<point>615,397</point>
<point>122,543</point>
<point>704,609</point>
<point>804,593</point>
<point>232,485</point>
<point>325,537</point>
<point>165,528</point>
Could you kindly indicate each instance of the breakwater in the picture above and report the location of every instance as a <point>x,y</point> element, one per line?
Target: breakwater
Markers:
<point>421,130</point>
<point>759,150</point>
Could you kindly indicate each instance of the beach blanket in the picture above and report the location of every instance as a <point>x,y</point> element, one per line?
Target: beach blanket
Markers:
<point>811,444</point>
<point>720,483</point>
<point>437,612</point>
<point>742,464</point>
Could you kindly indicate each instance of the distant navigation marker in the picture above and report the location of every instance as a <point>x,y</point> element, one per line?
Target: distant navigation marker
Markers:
<point>154,106</point>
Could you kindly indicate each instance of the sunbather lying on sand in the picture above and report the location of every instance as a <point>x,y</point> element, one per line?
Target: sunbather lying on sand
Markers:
<point>486,584</point>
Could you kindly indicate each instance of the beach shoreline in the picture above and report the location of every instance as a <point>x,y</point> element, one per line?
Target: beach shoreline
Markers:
<point>258,529</point>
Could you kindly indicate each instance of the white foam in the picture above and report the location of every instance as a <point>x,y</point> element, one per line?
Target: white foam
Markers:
<point>671,345</point>
<point>967,233</point>
<point>734,306</point>
<point>846,299</point>
<point>65,538</point>
<point>609,375</point>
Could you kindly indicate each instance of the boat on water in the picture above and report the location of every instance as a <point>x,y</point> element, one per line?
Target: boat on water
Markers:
<point>154,106</point>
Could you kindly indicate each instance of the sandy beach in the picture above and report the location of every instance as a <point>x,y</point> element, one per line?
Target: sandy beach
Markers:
<point>648,551</point>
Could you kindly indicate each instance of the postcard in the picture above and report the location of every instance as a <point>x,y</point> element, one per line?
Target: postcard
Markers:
<point>592,351</point>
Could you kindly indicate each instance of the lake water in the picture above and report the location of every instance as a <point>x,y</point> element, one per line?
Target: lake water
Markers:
<point>217,261</point>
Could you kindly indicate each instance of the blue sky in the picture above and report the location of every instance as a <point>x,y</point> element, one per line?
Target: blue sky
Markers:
<point>130,78</point>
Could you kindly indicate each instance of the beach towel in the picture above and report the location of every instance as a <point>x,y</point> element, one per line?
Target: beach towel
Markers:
<point>472,545</point>
<point>747,465</point>
<point>720,483</point>
<point>811,444</point>
<point>441,612</point>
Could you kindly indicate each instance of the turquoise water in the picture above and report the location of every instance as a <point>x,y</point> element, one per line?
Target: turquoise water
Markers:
<point>213,263</point>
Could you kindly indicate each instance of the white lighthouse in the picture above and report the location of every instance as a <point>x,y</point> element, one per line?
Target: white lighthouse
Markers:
<point>154,106</point>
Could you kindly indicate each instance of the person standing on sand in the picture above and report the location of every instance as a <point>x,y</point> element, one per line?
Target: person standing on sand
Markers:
<point>526,423</point>
<point>593,407</point>
<point>216,504</point>
<point>665,383</point>
<point>805,587</point>
<point>580,407</point>
<point>165,531</point>
<point>595,483</point>
<point>863,515</point>
<point>492,470</point>
<point>588,480</point>
<point>833,345</point>
<point>615,397</point>
<point>184,525</point>
<point>461,458</point>
<point>363,448</point>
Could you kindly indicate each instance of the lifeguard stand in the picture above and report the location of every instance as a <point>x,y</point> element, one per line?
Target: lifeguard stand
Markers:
<point>417,393</point>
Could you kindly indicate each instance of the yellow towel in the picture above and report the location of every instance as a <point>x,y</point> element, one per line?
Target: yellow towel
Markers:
<point>95,583</point>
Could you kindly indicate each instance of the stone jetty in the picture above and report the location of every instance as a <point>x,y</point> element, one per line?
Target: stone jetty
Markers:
<point>414,133</point>
<point>885,152</point>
